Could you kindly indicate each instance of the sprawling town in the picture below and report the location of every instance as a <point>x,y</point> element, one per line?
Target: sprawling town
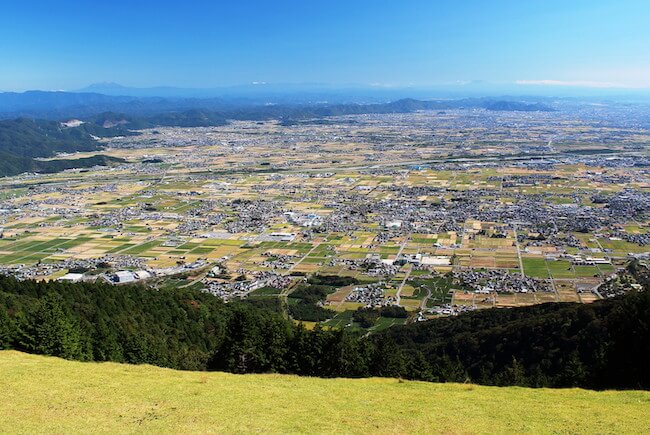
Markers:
<point>437,212</point>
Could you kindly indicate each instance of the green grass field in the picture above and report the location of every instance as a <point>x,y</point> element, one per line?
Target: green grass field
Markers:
<point>45,394</point>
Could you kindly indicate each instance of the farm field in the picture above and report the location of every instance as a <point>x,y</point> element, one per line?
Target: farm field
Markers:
<point>250,209</point>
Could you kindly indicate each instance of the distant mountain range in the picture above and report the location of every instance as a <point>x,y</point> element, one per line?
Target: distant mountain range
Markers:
<point>65,105</point>
<point>62,105</point>
<point>307,93</point>
<point>113,97</point>
<point>261,91</point>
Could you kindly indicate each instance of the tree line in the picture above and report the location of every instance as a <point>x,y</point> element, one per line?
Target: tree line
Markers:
<point>605,344</point>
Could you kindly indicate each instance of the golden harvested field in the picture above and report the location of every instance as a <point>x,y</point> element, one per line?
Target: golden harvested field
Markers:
<point>45,394</point>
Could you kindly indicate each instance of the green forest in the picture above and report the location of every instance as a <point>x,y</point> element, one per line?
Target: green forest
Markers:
<point>23,140</point>
<point>601,345</point>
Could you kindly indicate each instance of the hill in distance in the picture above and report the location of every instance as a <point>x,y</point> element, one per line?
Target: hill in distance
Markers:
<point>23,141</point>
<point>241,104</point>
<point>54,395</point>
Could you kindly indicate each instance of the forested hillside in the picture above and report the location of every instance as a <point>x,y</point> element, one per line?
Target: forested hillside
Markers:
<point>38,138</point>
<point>602,345</point>
<point>23,140</point>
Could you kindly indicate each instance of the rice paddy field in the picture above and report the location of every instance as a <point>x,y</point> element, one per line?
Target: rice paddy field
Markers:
<point>220,194</point>
<point>50,395</point>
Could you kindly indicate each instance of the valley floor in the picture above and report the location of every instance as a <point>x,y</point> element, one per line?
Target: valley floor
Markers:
<point>45,394</point>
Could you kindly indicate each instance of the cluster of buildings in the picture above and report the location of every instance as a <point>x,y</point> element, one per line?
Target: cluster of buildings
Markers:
<point>47,269</point>
<point>500,281</point>
<point>227,290</point>
<point>129,276</point>
<point>446,310</point>
<point>304,219</point>
<point>585,260</point>
<point>371,295</point>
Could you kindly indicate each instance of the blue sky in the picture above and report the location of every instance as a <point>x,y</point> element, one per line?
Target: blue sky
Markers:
<point>196,43</point>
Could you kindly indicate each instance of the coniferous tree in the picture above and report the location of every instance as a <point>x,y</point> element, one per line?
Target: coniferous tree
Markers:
<point>574,372</point>
<point>106,346</point>
<point>7,330</point>
<point>388,359</point>
<point>52,330</point>
<point>514,374</point>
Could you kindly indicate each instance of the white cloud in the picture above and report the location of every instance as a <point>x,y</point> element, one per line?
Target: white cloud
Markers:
<point>383,85</point>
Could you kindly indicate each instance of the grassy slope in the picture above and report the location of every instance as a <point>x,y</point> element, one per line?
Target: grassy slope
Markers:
<point>43,393</point>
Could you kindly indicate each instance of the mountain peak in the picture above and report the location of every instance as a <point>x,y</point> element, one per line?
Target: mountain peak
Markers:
<point>105,85</point>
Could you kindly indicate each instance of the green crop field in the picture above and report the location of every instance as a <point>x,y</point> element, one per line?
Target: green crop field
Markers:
<point>535,267</point>
<point>45,394</point>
